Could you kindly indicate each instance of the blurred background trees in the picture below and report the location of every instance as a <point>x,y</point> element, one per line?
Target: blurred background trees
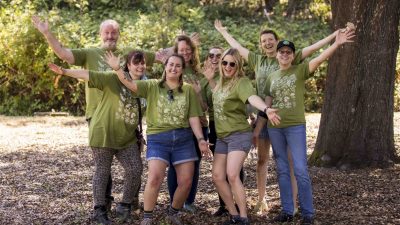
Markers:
<point>27,85</point>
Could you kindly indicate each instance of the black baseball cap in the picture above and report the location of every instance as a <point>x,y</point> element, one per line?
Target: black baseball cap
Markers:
<point>286,43</point>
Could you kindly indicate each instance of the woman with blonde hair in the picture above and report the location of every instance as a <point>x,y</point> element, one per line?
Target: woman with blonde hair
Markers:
<point>234,134</point>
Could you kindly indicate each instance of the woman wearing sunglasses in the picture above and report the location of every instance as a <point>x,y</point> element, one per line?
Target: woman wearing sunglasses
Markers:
<point>286,124</point>
<point>112,133</point>
<point>230,96</point>
<point>172,108</point>
<point>263,65</point>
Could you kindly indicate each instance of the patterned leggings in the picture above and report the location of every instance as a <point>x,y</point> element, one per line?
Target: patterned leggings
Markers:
<point>131,162</point>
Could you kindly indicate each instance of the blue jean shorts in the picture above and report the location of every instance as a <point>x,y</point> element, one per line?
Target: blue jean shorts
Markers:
<point>175,146</point>
<point>238,141</point>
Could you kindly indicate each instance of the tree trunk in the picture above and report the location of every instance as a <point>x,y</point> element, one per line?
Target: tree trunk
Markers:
<point>356,128</point>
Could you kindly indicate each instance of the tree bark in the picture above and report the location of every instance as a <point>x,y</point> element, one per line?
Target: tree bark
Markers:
<point>356,128</point>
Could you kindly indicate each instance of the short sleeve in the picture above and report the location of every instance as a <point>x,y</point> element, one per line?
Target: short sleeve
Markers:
<point>252,60</point>
<point>144,87</point>
<point>100,79</point>
<point>194,104</point>
<point>79,56</point>
<point>245,89</point>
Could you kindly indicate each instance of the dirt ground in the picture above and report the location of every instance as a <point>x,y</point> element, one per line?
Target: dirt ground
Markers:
<point>46,170</point>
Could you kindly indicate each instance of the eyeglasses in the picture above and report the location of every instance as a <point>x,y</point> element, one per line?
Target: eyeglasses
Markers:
<point>288,52</point>
<point>212,56</point>
<point>170,94</point>
<point>231,64</point>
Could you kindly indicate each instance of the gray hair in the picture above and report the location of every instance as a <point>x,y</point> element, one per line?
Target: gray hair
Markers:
<point>109,22</point>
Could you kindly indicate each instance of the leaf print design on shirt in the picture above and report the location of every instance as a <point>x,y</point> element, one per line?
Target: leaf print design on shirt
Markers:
<point>263,74</point>
<point>128,110</point>
<point>283,91</point>
<point>172,112</point>
<point>218,103</point>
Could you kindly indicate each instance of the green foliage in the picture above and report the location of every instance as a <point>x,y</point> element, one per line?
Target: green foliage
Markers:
<point>26,84</point>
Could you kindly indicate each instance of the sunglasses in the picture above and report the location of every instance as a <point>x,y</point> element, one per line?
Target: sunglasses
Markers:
<point>231,64</point>
<point>170,94</point>
<point>211,56</point>
<point>288,52</point>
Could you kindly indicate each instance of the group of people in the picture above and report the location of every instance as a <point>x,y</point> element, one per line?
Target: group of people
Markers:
<point>195,111</point>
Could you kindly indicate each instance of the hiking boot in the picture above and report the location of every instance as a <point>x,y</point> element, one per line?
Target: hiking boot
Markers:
<point>109,201</point>
<point>190,208</point>
<point>233,220</point>
<point>221,211</point>
<point>307,220</point>
<point>261,207</point>
<point>147,221</point>
<point>283,217</point>
<point>175,219</point>
<point>100,215</point>
<point>123,211</point>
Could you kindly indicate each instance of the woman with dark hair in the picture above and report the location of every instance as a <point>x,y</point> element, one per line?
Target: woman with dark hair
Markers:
<point>185,46</point>
<point>112,133</point>
<point>172,110</point>
<point>230,96</point>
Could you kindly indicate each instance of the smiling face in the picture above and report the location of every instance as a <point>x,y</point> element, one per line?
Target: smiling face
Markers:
<point>109,34</point>
<point>214,56</point>
<point>268,43</point>
<point>285,56</point>
<point>136,68</point>
<point>229,66</point>
<point>173,68</point>
<point>185,50</point>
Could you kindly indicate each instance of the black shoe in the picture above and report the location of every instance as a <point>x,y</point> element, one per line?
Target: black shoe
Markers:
<point>307,220</point>
<point>123,211</point>
<point>221,211</point>
<point>109,201</point>
<point>100,215</point>
<point>244,221</point>
<point>233,220</point>
<point>283,217</point>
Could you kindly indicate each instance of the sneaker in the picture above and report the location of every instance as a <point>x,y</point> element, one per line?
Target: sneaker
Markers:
<point>307,220</point>
<point>221,211</point>
<point>233,220</point>
<point>261,207</point>
<point>147,221</point>
<point>109,201</point>
<point>283,217</point>
<point>190,208</point>
<point>123,211</point>
<point>175,219</point>
<point>100,215</point>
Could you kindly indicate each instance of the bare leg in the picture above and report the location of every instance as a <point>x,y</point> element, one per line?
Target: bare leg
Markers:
<point>155,178</point>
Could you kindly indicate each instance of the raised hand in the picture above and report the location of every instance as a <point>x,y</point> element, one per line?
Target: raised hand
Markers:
<point>208,70</point>
<point>56,69</point>
<point>344,36</point>
<point>42,26</point>
<point>112,60</point>
<point>162,55</point>
<point>218,26</point>
<point>195,38</point>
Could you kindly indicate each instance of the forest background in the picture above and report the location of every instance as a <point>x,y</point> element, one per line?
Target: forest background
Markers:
<point>28,86</point>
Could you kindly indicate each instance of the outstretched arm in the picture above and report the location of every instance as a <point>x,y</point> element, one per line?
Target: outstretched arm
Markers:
<point>113,62</point>
<point>63,53</point>
<point>198,133</point>
<point>341,38</point>
<point>244,52</point>
<point>78,74</point>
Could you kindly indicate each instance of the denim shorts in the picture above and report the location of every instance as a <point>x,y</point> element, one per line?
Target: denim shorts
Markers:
<point>175,146</point>
<point>238,141</point>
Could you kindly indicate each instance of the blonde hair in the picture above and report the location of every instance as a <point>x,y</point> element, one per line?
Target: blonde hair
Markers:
<point>238,73</point>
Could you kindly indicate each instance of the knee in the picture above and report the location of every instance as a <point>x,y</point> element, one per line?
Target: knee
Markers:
<point>154,180</point>
<point>217,178</point>
<point>233,177</point>
<point>185,182</point>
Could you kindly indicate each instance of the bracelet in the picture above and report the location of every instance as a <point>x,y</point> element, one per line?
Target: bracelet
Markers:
<point>200,139</point>
<point>266,108</point>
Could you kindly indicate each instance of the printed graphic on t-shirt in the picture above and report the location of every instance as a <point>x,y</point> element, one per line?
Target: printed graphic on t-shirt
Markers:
<point>172,111</point>
<point>283,90</point>
<point>219,99</point>
<point>128,110</point>
<point>262,75</point>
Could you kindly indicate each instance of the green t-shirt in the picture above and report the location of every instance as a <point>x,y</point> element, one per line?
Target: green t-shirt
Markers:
<point>287,90</point>
<point>208,94</point>
<point>263,66</point>
<point>117,116</point>
<point>93,59</point>
<point>163,114</point>
<point>190,75</point>
<point>230,107</point>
